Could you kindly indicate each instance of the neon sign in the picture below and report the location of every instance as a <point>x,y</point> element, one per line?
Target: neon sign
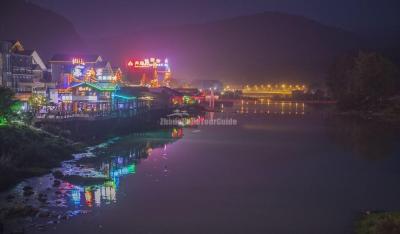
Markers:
<point>77,71</point>
<point>78,61</point>
<point>148,63</point>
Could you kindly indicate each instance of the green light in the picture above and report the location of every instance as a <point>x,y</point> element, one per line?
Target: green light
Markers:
<point>124,97</point>
<point>95,86</point>
<point>131,168</point>
<point>3,121</point>
<point>110,183</point>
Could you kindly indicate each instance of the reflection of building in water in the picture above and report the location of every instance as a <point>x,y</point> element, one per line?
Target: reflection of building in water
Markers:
<point>104,193</point>
<point>76,195</point>
<point>177,133</point>
<point>120,169</point>
<point>88,198</point>
<point>113,168</point>
<point>96,194</point>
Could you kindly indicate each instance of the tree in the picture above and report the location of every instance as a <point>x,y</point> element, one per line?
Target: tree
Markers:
<point>36,101</point>
<point>9,106</point>
<point>339,76</point>
<point>363,81</point>
<point>374,78</point>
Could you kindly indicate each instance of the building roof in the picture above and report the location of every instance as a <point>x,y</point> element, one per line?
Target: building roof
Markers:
<point>16,46</point>
<point>25,52</point>
<point>104,65</point>
<point>166,91</point>
<point>38,60</point>
<point>11,46</point>
<point>102,87</point>
<point>130,92</point>
<point>87,58</point>
<point>12,41</point>
<point>36,67</point>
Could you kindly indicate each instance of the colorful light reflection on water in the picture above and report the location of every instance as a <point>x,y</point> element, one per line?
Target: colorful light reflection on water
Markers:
<point>92,179</point>
<point>112,169</point>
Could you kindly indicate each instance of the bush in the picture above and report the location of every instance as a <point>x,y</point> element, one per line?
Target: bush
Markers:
<point>379,223</point>
<point>26,152</point>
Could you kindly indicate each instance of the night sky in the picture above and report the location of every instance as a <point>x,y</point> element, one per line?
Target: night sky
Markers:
<point>109,18</point>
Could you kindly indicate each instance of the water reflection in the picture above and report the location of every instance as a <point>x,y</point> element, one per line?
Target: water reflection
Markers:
<point>271,107</point>
<point>113,162</point>
<point>91,180</point>
<point>365,139</point>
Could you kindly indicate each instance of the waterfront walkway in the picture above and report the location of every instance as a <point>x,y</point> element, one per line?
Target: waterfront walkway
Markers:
<point>65,116</point>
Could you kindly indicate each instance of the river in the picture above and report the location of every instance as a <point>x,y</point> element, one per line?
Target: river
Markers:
<point>284,168</point>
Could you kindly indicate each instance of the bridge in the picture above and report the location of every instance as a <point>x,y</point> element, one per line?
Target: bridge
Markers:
<point>271,90</point>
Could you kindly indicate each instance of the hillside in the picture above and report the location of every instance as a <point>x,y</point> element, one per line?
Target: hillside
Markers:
<point>264,47</point>
<point>38,28</point>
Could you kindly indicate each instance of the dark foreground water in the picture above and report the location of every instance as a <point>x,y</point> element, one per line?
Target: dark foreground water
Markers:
<point>282,169</point>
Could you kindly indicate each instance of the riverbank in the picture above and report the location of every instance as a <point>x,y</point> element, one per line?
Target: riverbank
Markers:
<point>27,152</point>
<point>378,222</point>
<point>32,151</point>
<point>387,116</point>
<point>388,112</point>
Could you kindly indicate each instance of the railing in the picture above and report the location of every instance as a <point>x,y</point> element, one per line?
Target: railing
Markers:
<point>90,115</point>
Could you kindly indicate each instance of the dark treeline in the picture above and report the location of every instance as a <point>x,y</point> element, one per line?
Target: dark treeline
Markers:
<point>366,81</point>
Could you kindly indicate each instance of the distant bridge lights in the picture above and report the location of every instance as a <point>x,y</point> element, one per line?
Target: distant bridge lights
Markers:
<point>272,89</point>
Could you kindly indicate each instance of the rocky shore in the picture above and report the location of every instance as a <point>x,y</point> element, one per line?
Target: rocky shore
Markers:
<point>27,152</point>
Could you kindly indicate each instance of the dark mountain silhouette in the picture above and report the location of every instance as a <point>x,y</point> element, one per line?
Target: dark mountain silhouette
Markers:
<point>38,28</point>
<point>264,47</point>
<point>248,49</point>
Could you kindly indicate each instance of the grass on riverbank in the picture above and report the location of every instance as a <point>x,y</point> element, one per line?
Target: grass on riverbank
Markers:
<point>379,223</point>
<point>26,152</point>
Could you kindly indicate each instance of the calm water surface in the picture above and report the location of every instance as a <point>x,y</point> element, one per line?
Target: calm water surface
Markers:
<point>283,169</point>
